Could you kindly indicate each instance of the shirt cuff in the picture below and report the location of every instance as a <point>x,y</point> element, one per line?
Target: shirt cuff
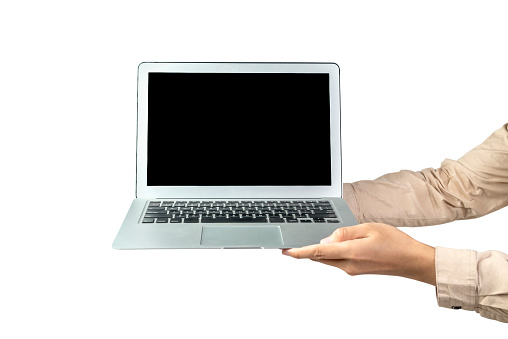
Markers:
<point>456,278</point>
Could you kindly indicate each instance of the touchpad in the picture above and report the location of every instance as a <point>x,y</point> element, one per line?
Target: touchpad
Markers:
<point>242,236</point>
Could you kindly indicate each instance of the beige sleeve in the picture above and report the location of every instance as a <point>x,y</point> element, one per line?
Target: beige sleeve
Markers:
<point>473,281</point>
<point>470,187</point>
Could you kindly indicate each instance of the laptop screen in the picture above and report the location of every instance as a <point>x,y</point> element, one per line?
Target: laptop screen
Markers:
<point>238,129</point>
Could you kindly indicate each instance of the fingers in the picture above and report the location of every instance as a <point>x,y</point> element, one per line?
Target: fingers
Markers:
<point>336,246</point>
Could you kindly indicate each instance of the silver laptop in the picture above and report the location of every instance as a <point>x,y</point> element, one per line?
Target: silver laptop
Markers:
<point>236,155</point>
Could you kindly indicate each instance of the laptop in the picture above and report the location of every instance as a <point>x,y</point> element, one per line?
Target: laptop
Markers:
<point>236,155</point>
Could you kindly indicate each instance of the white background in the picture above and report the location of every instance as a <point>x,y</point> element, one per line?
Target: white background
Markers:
<point>421,82</point>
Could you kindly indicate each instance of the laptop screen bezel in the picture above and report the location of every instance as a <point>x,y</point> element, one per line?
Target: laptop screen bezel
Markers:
<point>232,192</point>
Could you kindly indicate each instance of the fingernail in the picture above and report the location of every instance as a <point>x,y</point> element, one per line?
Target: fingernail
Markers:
<point>325,240</point>
<point>285,252</point>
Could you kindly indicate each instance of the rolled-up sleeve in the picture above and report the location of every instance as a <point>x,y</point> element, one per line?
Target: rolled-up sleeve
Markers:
<point>473,281</point>
<point>473,186</point>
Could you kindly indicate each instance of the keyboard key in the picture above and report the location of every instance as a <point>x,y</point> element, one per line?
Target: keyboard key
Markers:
<point>320,216</point>
<point>246,220</point>
<point>148,220</point>
<point>210,220</point>
<point>156,215</point>
<point>326,211</point>
<point>156,209</point>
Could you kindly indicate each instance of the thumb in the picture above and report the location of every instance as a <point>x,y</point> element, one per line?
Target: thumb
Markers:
<point>334,237</point>
<point>347,233</point>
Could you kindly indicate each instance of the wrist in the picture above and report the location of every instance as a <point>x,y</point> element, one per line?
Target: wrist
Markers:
<point>426,265</point>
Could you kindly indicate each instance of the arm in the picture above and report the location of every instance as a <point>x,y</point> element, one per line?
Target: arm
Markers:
<point>475,185</point>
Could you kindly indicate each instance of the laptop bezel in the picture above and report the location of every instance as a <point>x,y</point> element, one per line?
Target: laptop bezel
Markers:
<point>233,192</point>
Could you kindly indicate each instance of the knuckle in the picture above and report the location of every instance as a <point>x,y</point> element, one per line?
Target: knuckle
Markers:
<point>369,227</point>
<point>343,233</point>
<point>352,272</point>
<point>317,253</point>
<point>351,269</point>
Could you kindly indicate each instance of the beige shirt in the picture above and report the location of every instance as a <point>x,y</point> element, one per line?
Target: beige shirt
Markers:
<point>470,187</point>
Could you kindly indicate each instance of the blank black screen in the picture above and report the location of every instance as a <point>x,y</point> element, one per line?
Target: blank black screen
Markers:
<point>238,129</point>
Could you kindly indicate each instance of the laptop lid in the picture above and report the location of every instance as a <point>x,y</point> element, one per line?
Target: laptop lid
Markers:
<point>238,130</point>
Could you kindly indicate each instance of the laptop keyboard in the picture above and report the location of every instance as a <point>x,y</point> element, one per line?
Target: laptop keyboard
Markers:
<point>226,211</point>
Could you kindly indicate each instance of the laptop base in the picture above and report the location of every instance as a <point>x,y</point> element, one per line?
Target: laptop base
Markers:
<point>134,234</point>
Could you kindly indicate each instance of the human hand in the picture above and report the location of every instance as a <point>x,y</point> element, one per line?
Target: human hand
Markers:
<point>373,249</point>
